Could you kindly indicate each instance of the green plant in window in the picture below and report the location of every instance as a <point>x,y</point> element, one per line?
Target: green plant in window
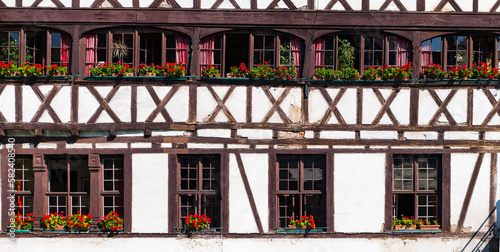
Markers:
<point>286,58</point>
<point>25,223</point>
<point>346,54</point>
<point>53,220</point>
<point>210,71</point>
<point>349,73</point>
<point>120,50</point>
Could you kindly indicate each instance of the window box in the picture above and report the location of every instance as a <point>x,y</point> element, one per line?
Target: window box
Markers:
<point>294,230</point>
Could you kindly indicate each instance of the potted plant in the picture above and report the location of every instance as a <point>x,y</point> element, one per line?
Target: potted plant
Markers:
<point>8,68</point>
<point>434,71</point>
<point>79,221</point>
<point>111,222</point>
<point>56,69</point>
<point>349,73</point>
<point>148,70</point>
<point>408,222</point>
<point>324,73</point>
<point>459,72</point>
<point>372,73</point>
<point>397,225</point>
<point>482,71</point>
<point>25,223</point>
<point>262,71</point>
<point>173,70</point>
<point>210,71</point>
<point>428,225</point>
<point>304,222</point>
<point>196,222</point>
<point>30,70</point>
<point>285,73</point>
<point>238,72</point>
<point>54,221</point>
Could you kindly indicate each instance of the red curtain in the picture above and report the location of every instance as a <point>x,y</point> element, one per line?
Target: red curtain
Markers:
<point>90,51</point>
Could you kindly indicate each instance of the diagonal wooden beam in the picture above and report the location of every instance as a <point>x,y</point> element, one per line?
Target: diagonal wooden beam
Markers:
<point>104,104</point>
<point>221,104</point>
<point>2,4</point>
<point>400,6</point>
<point>332,106</point>
<point>290,4</point>
<point>470,190</point>
<point>442,107</point>
<point>494,103</point>
<point>235,4</point>
<point>453,4</point>
<point>58,3</point>
<point>248,190</point>
<point>273,4</point>
<point>160,105</point>
<point>495,6</point>
<point>115,4</point>
<point>344,3</point>
<point>276,106</point>
<point>36,3</point>
<point>46,103</point>
<point>156,4</point>
<point>96,3</point>
<point>2,118</point>
<point>385,107</point>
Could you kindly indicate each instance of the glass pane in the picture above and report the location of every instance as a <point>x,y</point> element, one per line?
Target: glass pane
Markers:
<point>79,174</point>
<point>55,40</point>
<point>377,59</point>
<point>258,42</point>
<point>436,44</point>
<point>269,42</point>
<point>368,43</point>
<point>328,43</point>
<point>170,41</point>
<point>58,175</point>
<point>462,42</point>
<point>108,185</point>
<point>379,44</point>
<point>407,185</point>
<point>55,55</point>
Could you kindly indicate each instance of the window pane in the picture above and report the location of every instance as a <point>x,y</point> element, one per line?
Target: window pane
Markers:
<point>58,175</point>
<point>288,206</point>
<point>55,40</point>
<point>79,174</point>
<point>258,42</point>
<point>269,42</point>
<point>313,205</point>
<point>57,204</point>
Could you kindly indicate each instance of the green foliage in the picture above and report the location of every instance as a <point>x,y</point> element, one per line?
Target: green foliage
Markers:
<point>349,73</point>
<point>372,73</point>
<point>79,221</point>
<point>285,73</point>
<point>53,220</point>
<point>196,222</point>
<point>262,71</point>
<point>210,71</point>
<point>346,54</point>
<point>434,71</point>
<point>304,221</point>
<point>286,58</point>
<point>55,69</point>
<point>327,74</point>
<point>25,223</point>
<point>239,71</point>
<point>111,221</point>
<point>173,70</point>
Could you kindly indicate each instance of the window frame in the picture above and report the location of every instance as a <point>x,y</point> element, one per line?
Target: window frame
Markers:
<point>40,191</point>
<point>328,193</point>
<point>174,187</point>
<point>136,47</point>
<point>252,49</point>
<point>443,187</point>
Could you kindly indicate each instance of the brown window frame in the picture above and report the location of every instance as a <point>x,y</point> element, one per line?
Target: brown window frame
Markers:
<point>327,191</point>
<point>117,191</point>
<point>443,188</point>
<point>40,192</point>
<point>252,49</point>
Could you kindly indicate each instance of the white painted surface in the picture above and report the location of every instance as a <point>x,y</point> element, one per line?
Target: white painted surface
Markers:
<point>166,145</point>
<point>130,133</point>
<point>78,145</point>
<point>201,244</point>
<point>8,104</point>
<point>30,103</point>
<point>421,135</point>
<point>371,134</point>
<point>261,104</point>
<point>28,145</point>
<point>482,107</point>
<point>236,104</point>
<point>317,146</point>
<point>461,135</point>
<point>222,133</point>
<point>47,146</point>
<point>255,133</point>
<point>178,106</point>
<point>140,145</point>
<point>346,105</point>
<point>327,134</point>
<point>241,219</point>
<point>238,146</point>
<point>462,165</point>
<point>205,146</point>
<point>111,145</point>
<point>147,170</point>
<point>167,133</point>
<point>120,104</point>
<point>426,107</point>
<point>359,192</point>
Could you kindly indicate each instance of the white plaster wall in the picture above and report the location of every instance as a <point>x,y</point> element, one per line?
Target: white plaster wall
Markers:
<point>457,106</point>
<point>30,103</point>
<point>359,190</point>
<point>120,104</point>
<point>346,105</point>
<point>255,133</point>
<point>201,244</point>
<point>482,107</point>
<point>462,165</point>
<point>147,170</point>
<point>8,103</point>
<point>147,3</point>
<point>87,104</point>
<point>400,106</point>
<point>241,219</point>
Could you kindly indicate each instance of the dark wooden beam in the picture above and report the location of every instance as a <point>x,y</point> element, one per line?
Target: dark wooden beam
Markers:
<point>272,188</point>
<point>420,5</point>
<point>446,192</point>
<point>36,3</point>
<point>2,4</point>
<point>493,187</point>
<point>470,191</point>
<point>388,193</point>
<point>75,3</point>
<point>248,190</point>
<point>414,100</point>
<point>135,4</point>
<point>58,3</point>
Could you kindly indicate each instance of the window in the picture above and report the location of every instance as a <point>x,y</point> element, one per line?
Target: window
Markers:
<point>24,186</point>
<point>230,49</point>
<point>34,49</point>
<point>199,187</point>
<point>416,186</point>
<point>431,51</point>
<point>9,46</point>
<point>68,184</point>
<point>301,188</point>
<point>453,50</point>
<point>344,50</point>
<point>112,177</point>
<point>154,47</point>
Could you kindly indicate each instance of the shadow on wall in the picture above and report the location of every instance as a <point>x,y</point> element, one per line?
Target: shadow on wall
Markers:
<point>489,241</point>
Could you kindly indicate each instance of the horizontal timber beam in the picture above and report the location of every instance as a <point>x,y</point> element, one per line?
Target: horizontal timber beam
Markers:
<point>232,18</point>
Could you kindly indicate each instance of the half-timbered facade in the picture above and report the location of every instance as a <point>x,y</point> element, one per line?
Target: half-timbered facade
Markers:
<point>252,153</point>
